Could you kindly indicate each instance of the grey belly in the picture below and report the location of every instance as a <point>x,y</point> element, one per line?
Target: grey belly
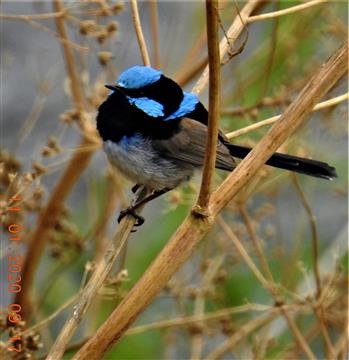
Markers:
<point>140,163</point>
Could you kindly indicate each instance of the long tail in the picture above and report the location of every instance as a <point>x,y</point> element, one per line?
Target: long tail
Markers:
<point>288,162</point>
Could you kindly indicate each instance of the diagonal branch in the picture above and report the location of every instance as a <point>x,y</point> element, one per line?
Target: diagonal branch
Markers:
<point>192,230</point>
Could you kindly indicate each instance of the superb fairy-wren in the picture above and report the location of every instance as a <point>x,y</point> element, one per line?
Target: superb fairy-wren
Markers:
<point>155,134</point>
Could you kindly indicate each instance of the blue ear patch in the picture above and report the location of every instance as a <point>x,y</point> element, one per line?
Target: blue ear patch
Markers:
<point>138,76</point>
<point>149,106</point>
<point>186,107</point>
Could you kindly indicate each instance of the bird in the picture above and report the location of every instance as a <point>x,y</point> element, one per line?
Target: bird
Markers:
<point>155,134</point>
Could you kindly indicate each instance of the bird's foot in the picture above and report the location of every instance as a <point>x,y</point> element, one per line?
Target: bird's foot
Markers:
<point>131,211</point>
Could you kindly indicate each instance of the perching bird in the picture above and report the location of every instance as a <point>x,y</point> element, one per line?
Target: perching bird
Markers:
<point>155,134</point>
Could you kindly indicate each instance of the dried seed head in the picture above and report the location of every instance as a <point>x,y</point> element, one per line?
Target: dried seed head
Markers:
<point>118,7</point>
<point>112,26</point>
<point>66,118</point>
<point>87,27</point>
<point>47,152</point>
<point>33,341</point>
<point>102,36</point>
<point>38,169</point>
<point>8,165</point>
<point>53,144</point>
<point>104,57</point>
<point>106,12</point>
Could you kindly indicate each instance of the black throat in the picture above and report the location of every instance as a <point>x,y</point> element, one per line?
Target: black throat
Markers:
<point>117,118</point>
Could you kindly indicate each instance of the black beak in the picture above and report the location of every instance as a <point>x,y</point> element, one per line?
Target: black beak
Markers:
<point>113,87</point>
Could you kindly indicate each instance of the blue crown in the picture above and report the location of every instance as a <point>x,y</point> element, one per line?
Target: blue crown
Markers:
<point>138,76</point>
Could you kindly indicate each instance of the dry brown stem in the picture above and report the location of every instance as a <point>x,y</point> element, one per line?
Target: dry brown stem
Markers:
<point>139,33</point>
<point>187,320</point>
<point>70,176</point>
<point>154,23</point>
<point>256,241</point>
<point>32,20</point>
<point>290,10</point>
<point>232,34</point>
<point>188,235</point>
<point>213,107</point>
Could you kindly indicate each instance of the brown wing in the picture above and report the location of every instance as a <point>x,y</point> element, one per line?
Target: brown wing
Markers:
<point>189,146</point>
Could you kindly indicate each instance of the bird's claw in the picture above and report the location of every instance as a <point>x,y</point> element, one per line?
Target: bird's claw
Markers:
<point>131,211</point>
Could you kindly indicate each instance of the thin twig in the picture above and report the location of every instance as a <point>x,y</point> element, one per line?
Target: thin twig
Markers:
<point>188,320</point>
<point>277,100</point>
<point>46,29</point>
<point>256,241</point>
<point>314,235</point>
<point>243,331</point>
<point>49,318</point>
<point>197,340</point>
<point>243,253</point>
<point>41,16</point>
<point>139,33</point>
<point>322,105</point>
<point>287,11</point>
<point>232,34</point>
<point>319,310</point>
<point>301,341</point>
<point>214,105</point>
<point>154,28</point>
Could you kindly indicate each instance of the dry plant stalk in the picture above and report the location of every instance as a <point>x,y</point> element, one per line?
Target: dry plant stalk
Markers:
<point>192,230</point>
<point>213,107</point>
<point>154,28</point>
<point>289,10</point>
<point>232,34</point>
<point>70,176</point>
<point>139,33</point>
